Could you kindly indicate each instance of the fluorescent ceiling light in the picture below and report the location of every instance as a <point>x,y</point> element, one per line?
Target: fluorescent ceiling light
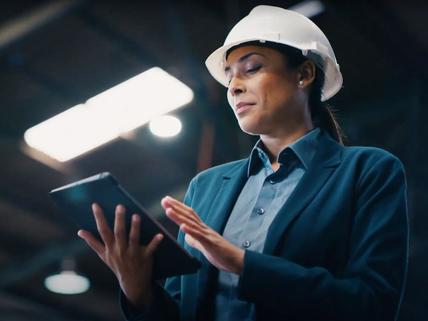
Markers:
<point>309,8</point>
<point>67,282</point>
<point>108,115</point>
<point>165,126</point>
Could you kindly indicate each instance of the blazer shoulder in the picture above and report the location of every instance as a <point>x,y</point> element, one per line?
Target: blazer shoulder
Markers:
<point>222,170</point>
<point>371,154</point>
<point>211,178</point>
<point>371,158</point>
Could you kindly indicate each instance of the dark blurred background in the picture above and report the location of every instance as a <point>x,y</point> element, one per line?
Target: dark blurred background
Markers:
<point>56,54</point>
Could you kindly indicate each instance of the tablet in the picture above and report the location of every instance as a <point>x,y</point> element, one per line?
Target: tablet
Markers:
<point>76,199</point>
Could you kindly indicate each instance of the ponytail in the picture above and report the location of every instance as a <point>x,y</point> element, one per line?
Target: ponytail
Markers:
<point>322,115</point>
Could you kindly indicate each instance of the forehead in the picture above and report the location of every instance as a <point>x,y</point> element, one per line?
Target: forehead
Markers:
<point>236,55</point>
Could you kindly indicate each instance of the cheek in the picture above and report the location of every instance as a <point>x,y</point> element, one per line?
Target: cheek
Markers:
<point>273,91</point>
<point>260,88</point>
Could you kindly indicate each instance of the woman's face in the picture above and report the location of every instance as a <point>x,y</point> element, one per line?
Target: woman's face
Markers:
<point>263,91</point>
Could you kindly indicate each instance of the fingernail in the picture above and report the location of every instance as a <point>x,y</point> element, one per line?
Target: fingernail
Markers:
<point>159,237</point>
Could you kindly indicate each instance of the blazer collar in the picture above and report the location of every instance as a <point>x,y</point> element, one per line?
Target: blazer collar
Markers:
<point>327,158</point>
<point>231,185</point>
<point>302,148</point>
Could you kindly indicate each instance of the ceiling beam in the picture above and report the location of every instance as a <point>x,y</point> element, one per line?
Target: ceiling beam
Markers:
<point>19,27</point>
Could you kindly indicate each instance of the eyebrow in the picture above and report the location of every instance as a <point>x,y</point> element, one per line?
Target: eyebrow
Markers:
<point>243,58</point>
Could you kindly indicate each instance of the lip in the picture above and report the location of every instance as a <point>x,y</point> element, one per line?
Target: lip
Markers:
<point>242,106</point>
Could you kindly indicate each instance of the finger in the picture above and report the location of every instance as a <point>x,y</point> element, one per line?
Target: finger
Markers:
<point>169,201</point>
<point>93,242</point>
<point>119,227</point>
<point>176,203</point>
<point>199,232</point>
<point>180,219</point>
<point>173,215</point>
<point>153,245</point>
<point>166,202</point>
<point>196,233</point>
<point>134,233</point>
<point>102,226</point>
<point>189,213</point>
<point>191,241</point>
<point>196,239</point>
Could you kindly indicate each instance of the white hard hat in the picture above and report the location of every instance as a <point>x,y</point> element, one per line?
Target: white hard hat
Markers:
<point>278,25</point>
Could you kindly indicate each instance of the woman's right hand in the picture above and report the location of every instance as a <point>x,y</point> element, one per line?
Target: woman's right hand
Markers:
<point>131,262</point>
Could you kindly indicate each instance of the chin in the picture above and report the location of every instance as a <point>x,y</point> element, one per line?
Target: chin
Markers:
<point>250,127</point>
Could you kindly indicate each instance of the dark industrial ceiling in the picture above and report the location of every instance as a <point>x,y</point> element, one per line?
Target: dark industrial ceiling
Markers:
<point>56,54</point>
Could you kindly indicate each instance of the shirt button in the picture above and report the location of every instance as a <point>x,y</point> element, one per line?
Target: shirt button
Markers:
<point>271,181</point>
<point>260,211</point>
<point>246,244</point>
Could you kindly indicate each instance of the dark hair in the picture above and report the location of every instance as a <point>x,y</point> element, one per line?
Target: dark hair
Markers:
<point>321,113</point>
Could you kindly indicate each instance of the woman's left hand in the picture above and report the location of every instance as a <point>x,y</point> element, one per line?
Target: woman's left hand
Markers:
<point>220,252</point>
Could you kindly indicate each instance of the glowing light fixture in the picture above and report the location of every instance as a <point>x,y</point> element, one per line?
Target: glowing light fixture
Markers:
<point>165,126</point>
<point>309,8</point>
<point>67,281</point>
<point>106,116</point>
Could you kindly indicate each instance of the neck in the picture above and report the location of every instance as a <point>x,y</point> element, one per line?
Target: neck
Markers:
<point>274,144</point>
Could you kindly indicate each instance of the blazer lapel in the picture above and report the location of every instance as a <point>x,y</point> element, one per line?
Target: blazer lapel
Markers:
<point>231,185</point>
<point>326,159</point>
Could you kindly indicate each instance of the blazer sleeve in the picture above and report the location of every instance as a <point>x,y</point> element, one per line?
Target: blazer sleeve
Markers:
<point>166,301</point>
<point>372,285</point>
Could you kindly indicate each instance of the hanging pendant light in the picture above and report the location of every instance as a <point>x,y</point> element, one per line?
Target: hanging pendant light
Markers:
<point>67,281</point>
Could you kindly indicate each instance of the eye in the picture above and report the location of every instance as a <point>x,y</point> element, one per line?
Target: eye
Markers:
<point>253,69</point>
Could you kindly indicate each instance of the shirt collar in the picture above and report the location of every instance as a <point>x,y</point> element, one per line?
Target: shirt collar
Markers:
<point>303,148</point>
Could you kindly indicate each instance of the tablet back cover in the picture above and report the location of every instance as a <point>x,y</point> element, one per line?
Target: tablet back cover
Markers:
<point>76,200</point>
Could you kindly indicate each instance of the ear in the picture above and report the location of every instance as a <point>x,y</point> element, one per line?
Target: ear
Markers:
<point>306,73</point>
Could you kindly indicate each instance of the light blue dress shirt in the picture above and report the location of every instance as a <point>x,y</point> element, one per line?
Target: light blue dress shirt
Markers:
<point>261,198</point>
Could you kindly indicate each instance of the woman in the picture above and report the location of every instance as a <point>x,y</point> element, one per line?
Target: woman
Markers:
<point>305,228</point>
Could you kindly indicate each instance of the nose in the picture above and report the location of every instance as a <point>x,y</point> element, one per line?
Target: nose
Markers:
<point>236,86</point>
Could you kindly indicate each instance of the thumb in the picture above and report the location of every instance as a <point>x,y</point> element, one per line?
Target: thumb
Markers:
<point>192,241</point>
<point>153,245</point>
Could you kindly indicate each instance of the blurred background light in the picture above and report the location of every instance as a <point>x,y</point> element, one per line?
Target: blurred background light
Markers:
<point>309,8</point>
<point>67,282</point>
<point>165,126</point>
<point>106,116</point>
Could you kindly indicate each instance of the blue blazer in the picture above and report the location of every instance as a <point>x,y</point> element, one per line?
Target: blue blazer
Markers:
<point>337,250</point>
